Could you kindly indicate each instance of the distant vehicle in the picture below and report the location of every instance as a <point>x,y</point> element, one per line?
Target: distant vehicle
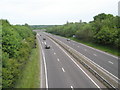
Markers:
<point>68,39</point>
<point>44,38</point>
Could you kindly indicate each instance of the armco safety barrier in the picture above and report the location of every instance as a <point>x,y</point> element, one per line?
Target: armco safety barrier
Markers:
<point>102,76</point>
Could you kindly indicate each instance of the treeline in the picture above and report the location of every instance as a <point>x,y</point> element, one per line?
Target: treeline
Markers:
<point>35,27</point>
<point>17,43</point>
<point>104,29</point>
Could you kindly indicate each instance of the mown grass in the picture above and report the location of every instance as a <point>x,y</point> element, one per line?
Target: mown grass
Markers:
<point>31,74</point>
<point>107,49</point>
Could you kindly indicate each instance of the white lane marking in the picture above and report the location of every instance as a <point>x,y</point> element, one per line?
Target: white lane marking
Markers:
<point>58,59</point>
<point>94,54</point>
<point>98,50</point>
<point>54,53</point>
<point>41,86</point>
<point>77,46</point>
<point>97,65</point>
<point>85,49</point>
<point>37,34</point>
<point>45,43</point>
<point>110,62</point>
<point>71,87</point>
<point>92,48</point>
<point>63,70</point>
<point>75,63</point>
<point>45,67</point>
<point>42,42</point>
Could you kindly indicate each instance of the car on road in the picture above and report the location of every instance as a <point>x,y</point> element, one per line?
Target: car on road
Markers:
<point>44,38</point>
<point>47,46</point>
<point>68,39</point>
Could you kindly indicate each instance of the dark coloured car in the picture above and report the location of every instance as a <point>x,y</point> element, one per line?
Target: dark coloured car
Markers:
<point>47,46</point>
<point>44,38</point>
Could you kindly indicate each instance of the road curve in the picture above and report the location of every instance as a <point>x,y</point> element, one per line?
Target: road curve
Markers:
<point>106,61</point>
<point>62,72</point>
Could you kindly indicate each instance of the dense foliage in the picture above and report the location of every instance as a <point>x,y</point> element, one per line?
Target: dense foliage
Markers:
<point>35,27</point>
<point>17,43</point>
<point>104,29</point>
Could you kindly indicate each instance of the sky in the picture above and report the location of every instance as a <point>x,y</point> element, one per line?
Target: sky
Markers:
<point>54,12</point>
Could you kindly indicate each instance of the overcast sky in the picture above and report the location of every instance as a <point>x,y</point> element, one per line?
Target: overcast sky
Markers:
<point>51,12</point>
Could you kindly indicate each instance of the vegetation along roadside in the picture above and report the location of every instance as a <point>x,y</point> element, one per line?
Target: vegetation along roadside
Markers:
<point>18,45</point>
<point>101,33</point>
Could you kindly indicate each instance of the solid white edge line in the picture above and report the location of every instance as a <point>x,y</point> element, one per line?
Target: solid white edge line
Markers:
<point>40,63</point>
<point>44,66</point>
<point>75,63</point>
<point>97,50</point>
<point>96,64</point>
<point>45,69</point>
<point>92,48</point>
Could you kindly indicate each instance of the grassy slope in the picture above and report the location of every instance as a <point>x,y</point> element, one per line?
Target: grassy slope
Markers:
<point>31,73</point>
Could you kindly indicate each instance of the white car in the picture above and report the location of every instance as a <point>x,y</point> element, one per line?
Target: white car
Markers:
<point>68,39</point>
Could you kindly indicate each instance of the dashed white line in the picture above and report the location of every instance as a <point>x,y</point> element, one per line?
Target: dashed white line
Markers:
<point>85,49</point>
<point>45,43</point>
<point>42,42</point>
<point>94,54</point>
<point>98,50</point>
<point>110,62</point>
<point>54,53</point>
<point>71,87</point>
<point>58,59</point>
<point>63,70</point>
<point>76,64</point>
<point>97,64</point>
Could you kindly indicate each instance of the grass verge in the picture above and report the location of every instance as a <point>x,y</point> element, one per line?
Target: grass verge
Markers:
<point>31,74</point>
<point>107,49</point>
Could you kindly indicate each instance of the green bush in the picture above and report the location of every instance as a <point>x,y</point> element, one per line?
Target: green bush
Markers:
<point>17,43</point>
<point>104,30</point>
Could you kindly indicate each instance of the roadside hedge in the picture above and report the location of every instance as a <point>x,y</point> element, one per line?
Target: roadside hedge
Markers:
<point>17,43</point>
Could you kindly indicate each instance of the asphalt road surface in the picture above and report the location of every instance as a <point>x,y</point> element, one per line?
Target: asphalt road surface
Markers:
<point>107,62</point>
<point>61,70</point>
